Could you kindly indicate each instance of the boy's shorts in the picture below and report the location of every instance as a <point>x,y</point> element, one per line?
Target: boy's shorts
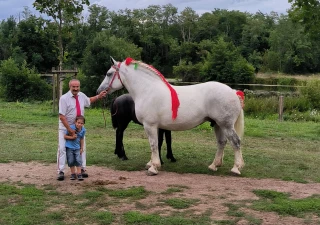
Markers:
<point>73,157</point>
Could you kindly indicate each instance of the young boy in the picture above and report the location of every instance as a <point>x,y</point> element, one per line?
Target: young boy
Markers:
<point>74,147</point>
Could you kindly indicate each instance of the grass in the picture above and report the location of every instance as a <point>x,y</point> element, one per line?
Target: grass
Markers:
<point>284,205</point>
<point>180,203</point>
<point>271,149</point>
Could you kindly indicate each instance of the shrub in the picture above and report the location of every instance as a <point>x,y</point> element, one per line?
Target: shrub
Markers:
<point>188,72</point>
<point>312,92</point>
<point>21,83</point>
<point>263,106</point>
<point>243,71</point>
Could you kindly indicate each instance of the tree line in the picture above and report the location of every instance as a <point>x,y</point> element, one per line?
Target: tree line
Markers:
<point>221,45</point>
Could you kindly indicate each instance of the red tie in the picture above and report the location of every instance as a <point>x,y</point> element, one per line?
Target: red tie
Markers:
<point>77,105</point>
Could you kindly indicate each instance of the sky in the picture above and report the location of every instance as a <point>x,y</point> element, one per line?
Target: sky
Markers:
<point>14,7</point>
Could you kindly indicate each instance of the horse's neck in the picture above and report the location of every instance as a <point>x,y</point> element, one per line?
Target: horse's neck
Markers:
<point>141,82</point>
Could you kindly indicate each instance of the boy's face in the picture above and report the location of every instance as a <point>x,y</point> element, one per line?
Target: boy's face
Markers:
<point>79,124</point>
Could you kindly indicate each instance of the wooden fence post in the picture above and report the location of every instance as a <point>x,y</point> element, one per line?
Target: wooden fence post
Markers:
<point>281,108</point>
<point>54,96</point>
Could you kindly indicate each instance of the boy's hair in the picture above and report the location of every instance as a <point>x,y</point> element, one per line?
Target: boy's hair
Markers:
<point>81,118</point>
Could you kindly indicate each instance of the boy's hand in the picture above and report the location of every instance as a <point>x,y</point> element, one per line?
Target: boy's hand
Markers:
<point>81,150</point>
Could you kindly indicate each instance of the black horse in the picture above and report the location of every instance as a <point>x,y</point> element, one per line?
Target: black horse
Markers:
<point>122,112</point>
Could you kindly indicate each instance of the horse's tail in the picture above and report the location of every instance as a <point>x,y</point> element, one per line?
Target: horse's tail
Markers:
<point>239,125</point>
<point>113,111</point>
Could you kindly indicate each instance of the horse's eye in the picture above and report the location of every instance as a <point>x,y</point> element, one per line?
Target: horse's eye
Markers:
<point>109,74</point>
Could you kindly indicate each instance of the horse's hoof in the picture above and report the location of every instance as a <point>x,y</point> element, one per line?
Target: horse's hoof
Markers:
<point>148,165</point>
<point>235,170</point>
<point>173,160</point>
<point>152,171</point>
<point>213,167</point>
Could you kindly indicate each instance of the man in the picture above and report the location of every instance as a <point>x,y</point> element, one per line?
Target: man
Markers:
<point>71,105</point>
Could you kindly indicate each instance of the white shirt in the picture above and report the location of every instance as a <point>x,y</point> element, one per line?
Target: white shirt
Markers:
<point>67,107</point>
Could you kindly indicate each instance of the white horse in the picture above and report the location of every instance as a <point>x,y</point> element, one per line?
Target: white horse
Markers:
<point>161,105</point>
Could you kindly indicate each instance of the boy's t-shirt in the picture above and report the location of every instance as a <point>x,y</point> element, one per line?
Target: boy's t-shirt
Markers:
<point>75,144</point>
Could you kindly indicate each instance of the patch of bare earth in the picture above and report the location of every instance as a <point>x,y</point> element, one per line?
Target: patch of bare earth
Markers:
<point>212,191</point>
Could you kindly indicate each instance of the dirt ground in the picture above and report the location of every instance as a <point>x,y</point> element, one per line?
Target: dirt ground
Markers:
<point>213,191</point>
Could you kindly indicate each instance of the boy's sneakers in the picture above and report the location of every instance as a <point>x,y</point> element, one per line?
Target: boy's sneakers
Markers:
<point>73,176</point>
<point>84,173</point>
<point>61,176</point>
<point>80,177</point>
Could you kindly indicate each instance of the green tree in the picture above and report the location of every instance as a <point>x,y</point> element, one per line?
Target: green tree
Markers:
<point>231,24</point>
<point>224,63</point>
<point>36,37</point>
<point>62,13</point>
<point>207,27</point>
<point>8,30</point>
<point>99,18</point>
<point>97,58</point>
<point>291,47</point>
<point>307,13</point>
<point>187,21</point>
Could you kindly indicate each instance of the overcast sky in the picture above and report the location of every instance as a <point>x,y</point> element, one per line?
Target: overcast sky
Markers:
<point>14,7</point>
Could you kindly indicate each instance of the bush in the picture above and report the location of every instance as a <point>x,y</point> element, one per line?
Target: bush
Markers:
<point>188,72</point>
<point>21,83</point>
<point>243,71</point>
<point>264,106</point>
<point>312,92</point>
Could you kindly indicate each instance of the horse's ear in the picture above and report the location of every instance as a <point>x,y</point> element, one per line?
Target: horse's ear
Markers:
<point>114,62</point>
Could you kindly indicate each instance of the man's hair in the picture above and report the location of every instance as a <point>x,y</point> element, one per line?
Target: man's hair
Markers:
<point>72,80</point>
<point>81,118</point>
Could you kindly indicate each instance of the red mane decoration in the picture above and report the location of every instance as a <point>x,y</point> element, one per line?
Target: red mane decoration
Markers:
<point>240,94</point>
<point>241,97</point>
<point>128,61</point>
<point>174,96</point>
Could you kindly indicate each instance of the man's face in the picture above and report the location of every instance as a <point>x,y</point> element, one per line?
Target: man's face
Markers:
<point>74,87</point>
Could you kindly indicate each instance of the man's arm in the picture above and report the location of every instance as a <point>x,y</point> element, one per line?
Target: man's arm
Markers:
<point>97,97</point>
<point>69,137</point>
<point>65,123</point>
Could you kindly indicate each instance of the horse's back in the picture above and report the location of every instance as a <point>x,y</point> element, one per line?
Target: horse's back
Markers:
<point>210,101</point>
<point>207,95</point>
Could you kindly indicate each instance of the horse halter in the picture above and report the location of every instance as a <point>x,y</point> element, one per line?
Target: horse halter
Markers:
<point>116,73</point>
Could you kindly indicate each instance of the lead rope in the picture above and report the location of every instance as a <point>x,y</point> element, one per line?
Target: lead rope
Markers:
<point>104,101</point>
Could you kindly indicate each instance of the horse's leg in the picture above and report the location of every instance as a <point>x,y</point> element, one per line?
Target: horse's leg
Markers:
<point>167,134</point>
<point>119,144</point>
<point>154,163</point>
<point>160,142</point>
<point>221,143</point>
<point>235,143</point>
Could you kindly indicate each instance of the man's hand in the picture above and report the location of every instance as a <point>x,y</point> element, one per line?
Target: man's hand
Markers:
<point>72,132</point>
<point>102,94</point>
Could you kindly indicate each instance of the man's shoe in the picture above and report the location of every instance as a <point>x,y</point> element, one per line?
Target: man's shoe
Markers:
<point>73,176</point>
<point>61,176</point>
<point>80,177</point>
<point>84,173</point>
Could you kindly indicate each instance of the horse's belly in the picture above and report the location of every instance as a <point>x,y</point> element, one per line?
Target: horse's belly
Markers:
<point>180,124</point>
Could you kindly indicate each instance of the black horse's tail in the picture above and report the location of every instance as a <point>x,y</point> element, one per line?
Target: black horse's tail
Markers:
<point>113,111</point>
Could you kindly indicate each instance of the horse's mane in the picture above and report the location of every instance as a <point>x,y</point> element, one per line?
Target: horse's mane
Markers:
<point>174,97</point>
